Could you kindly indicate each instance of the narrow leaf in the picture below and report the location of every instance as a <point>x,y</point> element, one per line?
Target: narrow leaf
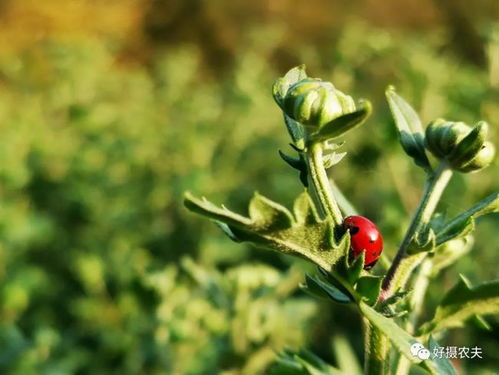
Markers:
<point>323,289</point>
<point>481,323</point>
<point>458,228</point>
<point>410,129</point>
<point>463,224</point>
<point>295,163</point>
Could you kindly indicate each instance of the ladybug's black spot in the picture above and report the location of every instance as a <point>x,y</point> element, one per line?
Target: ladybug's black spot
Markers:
<point>354,230</point>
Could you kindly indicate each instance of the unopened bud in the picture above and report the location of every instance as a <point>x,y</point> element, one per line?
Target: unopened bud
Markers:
<point>463,147</point>
<point>314,103</point>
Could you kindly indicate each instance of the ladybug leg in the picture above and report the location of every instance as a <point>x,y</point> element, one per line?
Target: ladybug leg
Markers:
<point>370,265</point>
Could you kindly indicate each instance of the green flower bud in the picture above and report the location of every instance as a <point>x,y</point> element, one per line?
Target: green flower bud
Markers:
<point>463,147</point>
<point>442,136</point>
<point>481,160</point>
<point>314,103</point>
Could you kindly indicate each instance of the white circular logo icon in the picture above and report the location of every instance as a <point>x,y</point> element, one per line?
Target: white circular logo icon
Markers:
<point>418,350</point>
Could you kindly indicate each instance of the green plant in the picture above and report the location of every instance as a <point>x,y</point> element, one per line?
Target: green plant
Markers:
<point>316,114</point>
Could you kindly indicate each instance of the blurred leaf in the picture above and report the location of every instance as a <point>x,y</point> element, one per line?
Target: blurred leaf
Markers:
<point>410,129</point>
<point>302,362</point>
<point>461,303</point>
<point>345,356</point>
<point>272,226</point>
<point>450,252</point>
<point>481,323</point>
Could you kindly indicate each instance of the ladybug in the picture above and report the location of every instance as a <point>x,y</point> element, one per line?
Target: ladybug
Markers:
<point>365,236</point>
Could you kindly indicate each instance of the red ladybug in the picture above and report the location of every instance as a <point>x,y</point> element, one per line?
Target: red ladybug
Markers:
<point>364,236</point>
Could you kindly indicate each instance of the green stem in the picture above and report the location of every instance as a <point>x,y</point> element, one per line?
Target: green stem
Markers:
<point>376,351</point>
<point>403,263</point>
<point>319,187</point>
<point>421,282</point>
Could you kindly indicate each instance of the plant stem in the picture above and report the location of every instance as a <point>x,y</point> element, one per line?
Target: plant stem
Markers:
<point>376,350</point>
<point>403,263</point>
<point>319,187</point>
<point>420,286</point>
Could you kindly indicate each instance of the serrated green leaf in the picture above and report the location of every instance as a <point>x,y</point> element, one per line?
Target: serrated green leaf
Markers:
<point>437,365</point>
<point>304,209</point>
<point>399,338</point>
<point>354,270</point>
<point>343,124</point>
<point>369,287</point>
<point>462,302</point>
<point>272,226</point>
<point>268,215</point>
<point>410,129</point>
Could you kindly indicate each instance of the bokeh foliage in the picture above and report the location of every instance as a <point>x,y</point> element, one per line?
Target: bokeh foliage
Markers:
<point>96,253</point>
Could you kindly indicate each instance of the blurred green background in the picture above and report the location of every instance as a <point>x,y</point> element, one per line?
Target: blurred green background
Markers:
<point>110,110</point>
